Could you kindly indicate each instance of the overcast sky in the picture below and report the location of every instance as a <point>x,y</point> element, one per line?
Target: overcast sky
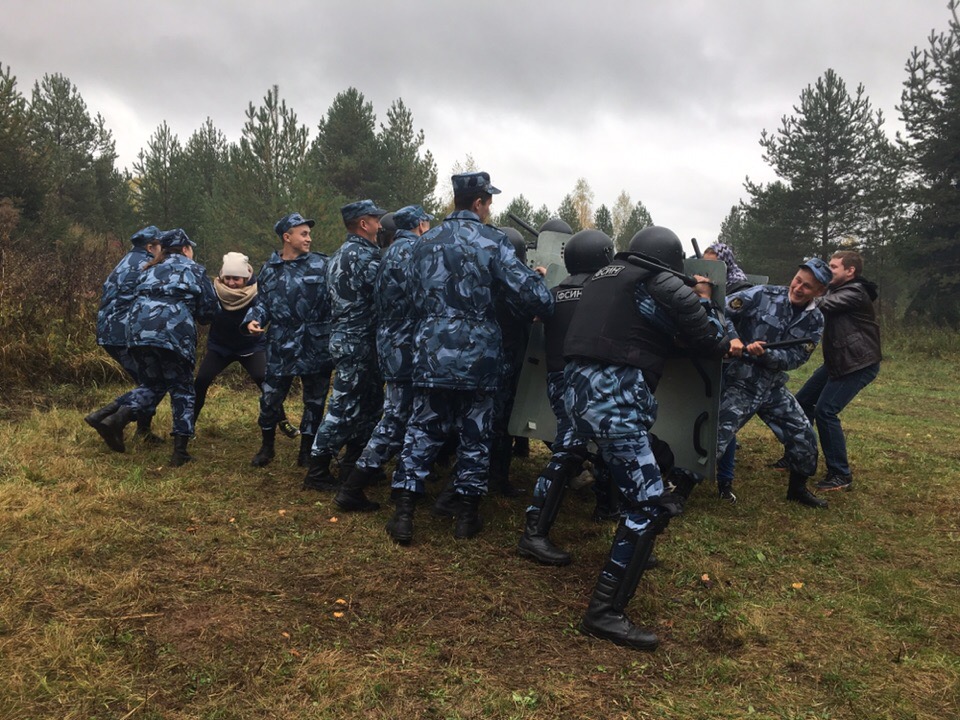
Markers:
<point>664,99</point>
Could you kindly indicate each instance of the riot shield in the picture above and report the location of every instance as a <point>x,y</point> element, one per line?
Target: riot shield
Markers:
<point>532,416</point>
<point>688,396</point>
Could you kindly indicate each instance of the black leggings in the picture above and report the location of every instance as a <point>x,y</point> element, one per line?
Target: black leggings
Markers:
<point>214,363</point>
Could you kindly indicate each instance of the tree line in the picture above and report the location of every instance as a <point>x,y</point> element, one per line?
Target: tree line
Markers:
<point>842,181</point>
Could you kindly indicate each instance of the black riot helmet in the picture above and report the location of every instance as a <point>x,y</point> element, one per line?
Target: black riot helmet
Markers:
<point>556,225</point>
<point>587,251</point>
<point>661,244</point>
<point>516,239</point>
<point>388,228</point>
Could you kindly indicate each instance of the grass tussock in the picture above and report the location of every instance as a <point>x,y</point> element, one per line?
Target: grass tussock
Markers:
<point>132,590</point>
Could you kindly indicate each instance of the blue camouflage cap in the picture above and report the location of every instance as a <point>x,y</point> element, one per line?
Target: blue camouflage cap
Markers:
<point>819,268</point>
<point>473,184</point>
<point>175,238</point>
<point>407,218</point>
<point>145,236</point>
<point>289,221</point>
<point>360,208</point>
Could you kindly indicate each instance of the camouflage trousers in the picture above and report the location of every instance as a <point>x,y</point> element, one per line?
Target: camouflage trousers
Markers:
<point>275,389</point>
<point>434,416</point>
<point>613,406</point>
<point>161,371</point>
<point>355,403</point>
<point>121,353</point>
<point>763,394</point>
<point>566,441</point>
<point>387,438</point>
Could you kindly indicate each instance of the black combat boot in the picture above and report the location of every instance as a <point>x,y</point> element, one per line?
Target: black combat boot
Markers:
<point>615,588</point>
<point>400,526</point>
<point>97,416</point>
<point>111,428</point>
<point>306,445</point>
<point>266,452</point>
<point>144,433</point>
<point>180,455</point>
<point>500,457</point>
<point>469,522</point>
<point>798,492</point>
<point>535,544</point>
<point>318,477</point>
<point>446,503</point>
<point>350,497</point>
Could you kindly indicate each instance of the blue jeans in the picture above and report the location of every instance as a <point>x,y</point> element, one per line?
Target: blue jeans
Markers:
<point>822,399</point>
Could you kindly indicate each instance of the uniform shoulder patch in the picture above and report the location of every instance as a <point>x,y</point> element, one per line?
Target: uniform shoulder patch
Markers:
<point>736,303</point>
<point>809,348</point>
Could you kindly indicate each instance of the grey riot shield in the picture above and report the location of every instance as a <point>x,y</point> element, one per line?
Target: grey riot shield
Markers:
<point>688,396</point>
<point>532,416</point>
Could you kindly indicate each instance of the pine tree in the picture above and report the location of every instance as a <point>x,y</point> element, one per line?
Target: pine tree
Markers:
<point>344,154</point>
<point>406,176</point>
<point>20,178</point>
<point>603,220</point>
<point>930,108</point>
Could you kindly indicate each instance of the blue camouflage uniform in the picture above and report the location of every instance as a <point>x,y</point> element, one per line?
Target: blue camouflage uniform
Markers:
<point>614,404</point>
<point>171,298</point>
<point>357,398</point>
<point>293,305</point>
<point>757,385</point>
<point>394,306</point>
<point>455,271</point>
<point>119,290</point>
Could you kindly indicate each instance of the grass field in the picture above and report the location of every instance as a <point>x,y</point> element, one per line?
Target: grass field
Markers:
<point>132,590</point>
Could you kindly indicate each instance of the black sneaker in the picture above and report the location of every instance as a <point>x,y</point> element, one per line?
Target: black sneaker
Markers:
<point>835,481</point>
<point>725,491</point>
<point>781,464</point>
<point>287,429</point>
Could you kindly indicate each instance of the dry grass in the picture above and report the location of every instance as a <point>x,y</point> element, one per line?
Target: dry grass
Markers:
<point>132,590</point>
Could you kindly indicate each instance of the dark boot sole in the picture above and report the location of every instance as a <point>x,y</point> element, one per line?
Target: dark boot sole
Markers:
<point>806,502</point>
<point>551,562</point>
<point>649,646</point>
<point>108,436</point>
<point>350,504</point>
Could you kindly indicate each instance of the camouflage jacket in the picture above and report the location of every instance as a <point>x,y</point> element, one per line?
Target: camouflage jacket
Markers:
<point>393,300</point>
<point>764,312</point>
<point>171,298</point>
<point>118,292</point>
<point>350,278</point>
<point>456,269</point>
<point>293,305</point>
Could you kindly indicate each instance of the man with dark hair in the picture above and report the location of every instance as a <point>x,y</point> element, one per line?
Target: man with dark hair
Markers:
<point>755,384</point>
<point>455,271</point>
<point>293,310</point>
<point>357,398</point>
<point>396,323</point>
<point>851,361</point>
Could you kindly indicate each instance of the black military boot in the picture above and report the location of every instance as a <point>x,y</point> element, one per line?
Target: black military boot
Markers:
<point>535,544</point>
<point>111,428</point>
<point>797,492</point>
<point>319,477</point>
<point>615,588</point>
<point>400,526</point>
<point>500,458</point>
<point>306,445</point>
<point>266,452</point>
<point>180,455</point>
<point>144,433</point>
<point>469,522</point>
<point>446,503</point>
<point>350,497</point>
<point>97,416</point>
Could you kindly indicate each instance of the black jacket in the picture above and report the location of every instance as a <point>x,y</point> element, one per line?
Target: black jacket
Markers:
<point>851,335</point>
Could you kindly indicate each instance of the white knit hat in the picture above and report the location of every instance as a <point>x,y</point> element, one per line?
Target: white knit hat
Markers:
<point>236,265</point>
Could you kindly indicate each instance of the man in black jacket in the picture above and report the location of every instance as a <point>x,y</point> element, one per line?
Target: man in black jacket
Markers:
<point>851,360</point>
